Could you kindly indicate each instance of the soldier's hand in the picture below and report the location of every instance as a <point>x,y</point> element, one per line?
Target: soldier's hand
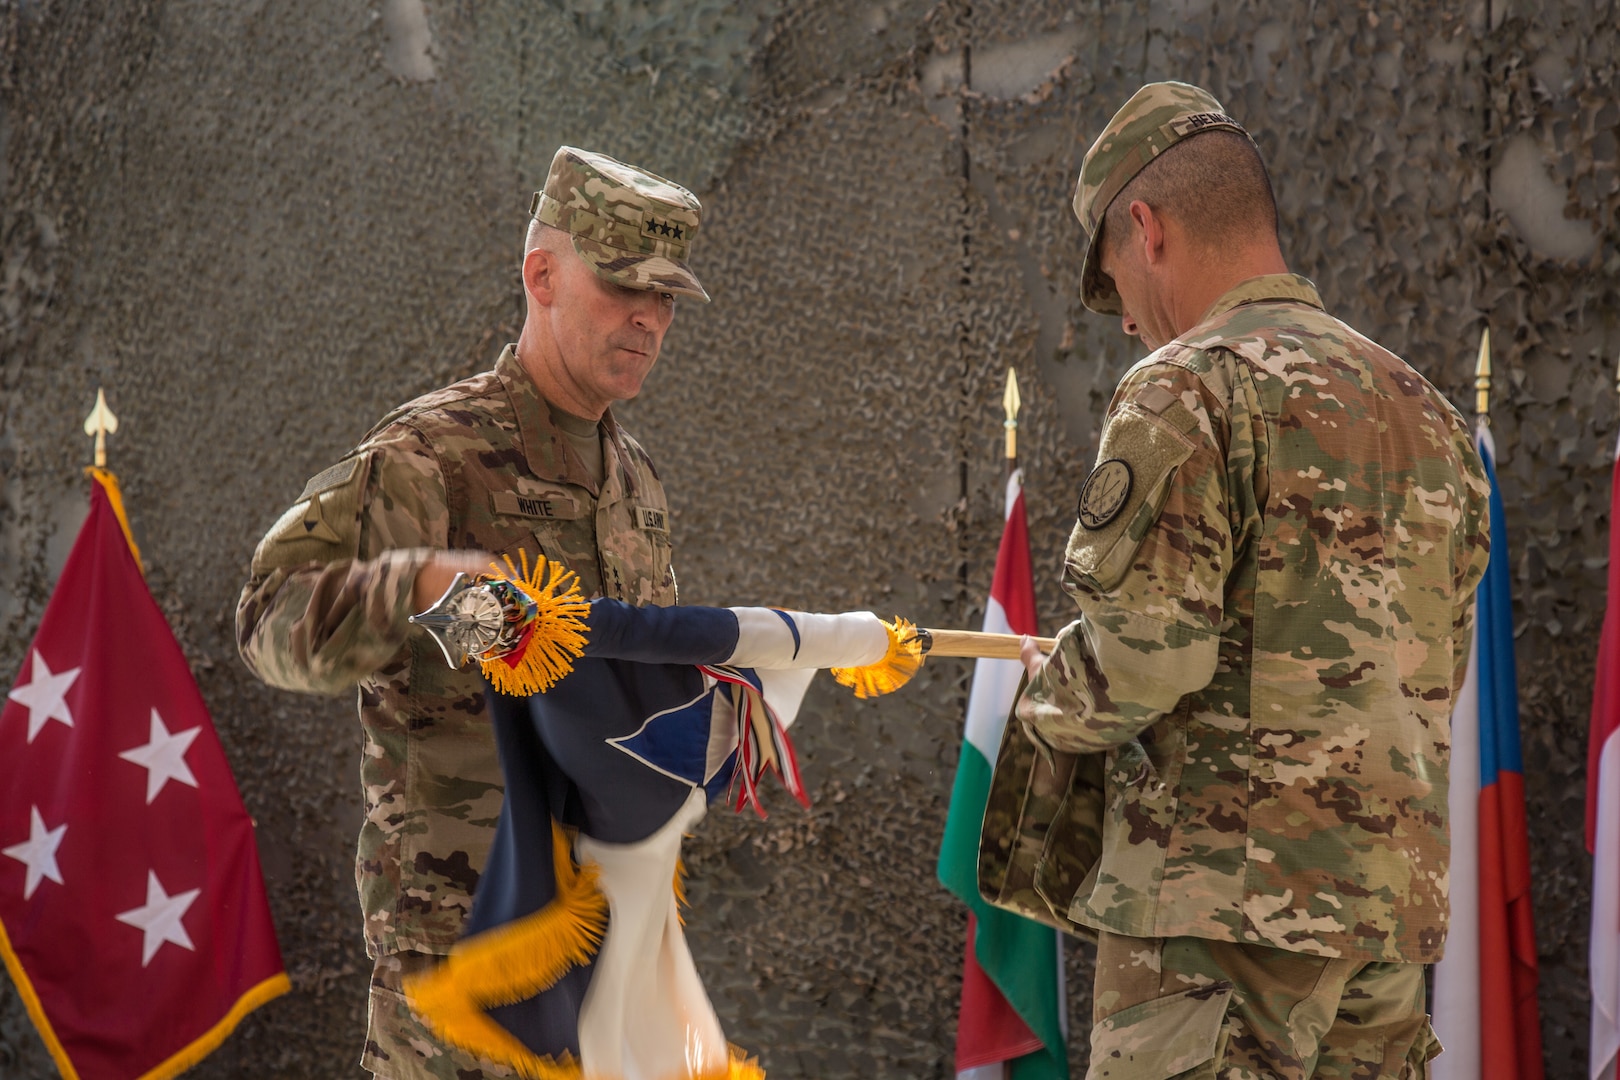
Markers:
<point>1030,653</point>
<point>441,570</point>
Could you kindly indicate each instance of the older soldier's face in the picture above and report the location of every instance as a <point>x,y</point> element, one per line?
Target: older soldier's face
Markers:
<point>1125,260</point>
<point>607,336</point>
<point>1115,262</point>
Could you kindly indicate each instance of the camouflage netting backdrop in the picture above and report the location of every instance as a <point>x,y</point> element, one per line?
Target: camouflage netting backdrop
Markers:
<point>260,225</point>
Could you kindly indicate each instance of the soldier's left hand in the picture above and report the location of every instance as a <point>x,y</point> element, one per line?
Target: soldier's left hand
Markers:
<point>1030,653</point>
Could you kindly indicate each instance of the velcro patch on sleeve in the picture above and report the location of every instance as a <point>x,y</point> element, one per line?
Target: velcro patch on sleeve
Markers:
<point>332,477</point>
<point>323,525</point>
<point>1142,447</point>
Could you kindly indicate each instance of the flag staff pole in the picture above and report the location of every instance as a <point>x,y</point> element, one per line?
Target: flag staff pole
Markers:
<point>100,423</point>
<point>1482,378</point>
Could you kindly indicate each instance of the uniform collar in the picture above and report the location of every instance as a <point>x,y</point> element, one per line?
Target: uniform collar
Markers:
<point>1265,287</point>
<point>545,445</point>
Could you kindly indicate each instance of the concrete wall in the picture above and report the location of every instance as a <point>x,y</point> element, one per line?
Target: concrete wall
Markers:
<point>259,225</point>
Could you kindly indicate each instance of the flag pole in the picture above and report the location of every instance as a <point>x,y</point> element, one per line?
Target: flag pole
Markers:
<point>1482,378</point>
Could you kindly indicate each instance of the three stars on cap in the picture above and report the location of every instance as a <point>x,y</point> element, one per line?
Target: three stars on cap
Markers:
<point>665,228</point>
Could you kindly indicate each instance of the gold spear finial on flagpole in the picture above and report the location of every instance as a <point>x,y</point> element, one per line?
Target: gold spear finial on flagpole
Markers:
<point>99,423</point>
<point>1482,377</point>
<point>1010,403</point>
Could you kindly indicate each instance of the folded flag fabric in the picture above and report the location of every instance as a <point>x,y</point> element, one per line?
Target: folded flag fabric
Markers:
<point>574,963</point>
<point>133,917</point>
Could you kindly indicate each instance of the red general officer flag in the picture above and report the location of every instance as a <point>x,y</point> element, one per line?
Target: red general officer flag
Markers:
<point>132,911</point>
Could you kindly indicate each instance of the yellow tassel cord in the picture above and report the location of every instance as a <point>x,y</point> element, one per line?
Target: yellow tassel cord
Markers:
<point>514,962</point>
<point>557,637</point>
<point>902,660</point>
<point>109,484</point>
<point>680,889</point>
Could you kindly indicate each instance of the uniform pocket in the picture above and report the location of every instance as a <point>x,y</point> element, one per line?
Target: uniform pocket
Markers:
<point>1181,1035</point>
<point>1424,1050</point>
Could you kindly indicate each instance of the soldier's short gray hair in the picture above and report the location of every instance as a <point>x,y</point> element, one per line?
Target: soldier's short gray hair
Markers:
<point>1214,184</point>
<point>541,235</point>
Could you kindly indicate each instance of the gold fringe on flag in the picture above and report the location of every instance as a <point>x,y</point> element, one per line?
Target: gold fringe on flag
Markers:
<point>514,962</point>
<point>554,639</point>
<point>902,660</point>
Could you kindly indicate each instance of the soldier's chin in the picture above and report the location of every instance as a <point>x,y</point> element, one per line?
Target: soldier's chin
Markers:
<point>627,387</point>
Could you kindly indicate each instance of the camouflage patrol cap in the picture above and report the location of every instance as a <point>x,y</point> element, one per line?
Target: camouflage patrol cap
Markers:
<point>1156,118</point>
<point>634,228</point>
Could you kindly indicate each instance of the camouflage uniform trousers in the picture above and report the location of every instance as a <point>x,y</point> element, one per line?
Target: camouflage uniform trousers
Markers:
<point>398,1045</point>
<point>1219,1010</point>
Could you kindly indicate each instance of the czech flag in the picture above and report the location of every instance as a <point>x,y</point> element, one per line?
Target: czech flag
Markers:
<point>1485,1010</point>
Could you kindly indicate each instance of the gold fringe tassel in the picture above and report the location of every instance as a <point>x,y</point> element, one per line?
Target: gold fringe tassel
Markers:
<point>739,1067</point>
<point>556,638</point>
<point>514,962</point>
<point>902,660</point>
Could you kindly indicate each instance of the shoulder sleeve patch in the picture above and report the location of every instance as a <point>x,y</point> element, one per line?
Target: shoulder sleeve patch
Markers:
<point>1140,453</point>
<point>332,477</point>
<point>323,525</point>
<point>1104,493</point>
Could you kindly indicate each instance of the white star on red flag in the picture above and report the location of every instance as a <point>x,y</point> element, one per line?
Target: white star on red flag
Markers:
<point>163,757</point>
<point>160,918</point>
<point>45,697</point>
<point>38,852</point>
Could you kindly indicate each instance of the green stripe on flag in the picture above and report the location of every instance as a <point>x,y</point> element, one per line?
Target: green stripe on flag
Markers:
<point>1019,955</point>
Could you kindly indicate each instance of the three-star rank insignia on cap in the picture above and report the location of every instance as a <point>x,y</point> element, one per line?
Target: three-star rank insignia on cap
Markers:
<point>1105,493</point>
<point>657,228</point>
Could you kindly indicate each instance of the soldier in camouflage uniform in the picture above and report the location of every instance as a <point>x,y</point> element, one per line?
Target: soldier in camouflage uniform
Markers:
<point>522,459</point>
<point>1232,770</point>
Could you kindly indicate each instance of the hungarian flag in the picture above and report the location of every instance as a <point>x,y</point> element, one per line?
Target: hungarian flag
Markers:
<point>1485,1009</point>
<point>133,917</point>
<point>1603,817</point>
<point>1012,985</point>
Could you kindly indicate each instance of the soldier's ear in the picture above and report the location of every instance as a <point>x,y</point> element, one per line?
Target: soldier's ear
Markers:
<point>1147,231</point>
<point>540,273</point>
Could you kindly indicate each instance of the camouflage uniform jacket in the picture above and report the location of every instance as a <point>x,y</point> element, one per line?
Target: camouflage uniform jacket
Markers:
<point>477,465</point>
<point>1245,735</point>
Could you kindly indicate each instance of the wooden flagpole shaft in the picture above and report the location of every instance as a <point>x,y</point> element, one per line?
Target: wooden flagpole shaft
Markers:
<point>976,644</point>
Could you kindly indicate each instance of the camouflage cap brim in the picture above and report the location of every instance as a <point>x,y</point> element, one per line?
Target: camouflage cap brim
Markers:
<point>1097,290</point>
<point>653,273</point>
